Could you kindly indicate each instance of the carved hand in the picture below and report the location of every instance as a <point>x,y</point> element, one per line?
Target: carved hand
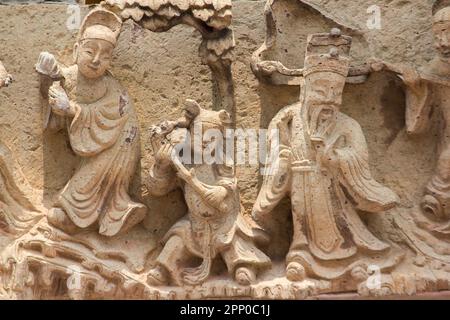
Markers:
<point>58,99</point>
<point>330,156</point>
<point>6,81</point>
<point>47,65</point>
<point>408,74</point>
<point>165,155</point>
<point>376,65</point>
<point>215,196</point>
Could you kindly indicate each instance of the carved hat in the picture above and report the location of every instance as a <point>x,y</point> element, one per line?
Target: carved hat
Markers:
<point>101,24</point>
<point>441,11</point>
<point>328,52</point>
<point>219,119</point>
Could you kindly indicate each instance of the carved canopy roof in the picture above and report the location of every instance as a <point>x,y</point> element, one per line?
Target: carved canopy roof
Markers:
<point>157,15</point>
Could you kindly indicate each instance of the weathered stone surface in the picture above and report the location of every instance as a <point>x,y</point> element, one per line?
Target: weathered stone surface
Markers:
<point>161,70</point>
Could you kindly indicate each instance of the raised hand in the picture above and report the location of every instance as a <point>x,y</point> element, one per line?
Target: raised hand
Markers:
<point>6,80</point>
<point>215,196</point>
<point>47,65</point>
<point>408,74</point>
<point>164,156</point>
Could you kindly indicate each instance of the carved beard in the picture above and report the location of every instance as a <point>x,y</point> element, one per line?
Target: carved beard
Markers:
<point>319,126</point>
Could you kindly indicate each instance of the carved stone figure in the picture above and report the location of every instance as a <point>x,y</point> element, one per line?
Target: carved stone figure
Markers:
<point>427,91</point>
<point>425,88</point>
<point>214,224</point>
<point>323,166</point>
<point>103,130</point>
<point>20,206</point>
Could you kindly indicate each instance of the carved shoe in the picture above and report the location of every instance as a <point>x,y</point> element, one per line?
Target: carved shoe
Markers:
<point>295,272</point>
<point>157,277</point>
<point>245,276</point>
<point>59,219</point>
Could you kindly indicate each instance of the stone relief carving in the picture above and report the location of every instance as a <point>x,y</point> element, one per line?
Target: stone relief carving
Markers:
<point>19,202</point>
<point>275,72</point>
<point>90,243</point>
<point>214,224</point>
<point>323,167</point>
<point>427,90</point>
<point>103,131</point>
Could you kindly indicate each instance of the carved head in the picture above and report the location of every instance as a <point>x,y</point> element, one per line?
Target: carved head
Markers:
<point>206,126</point>
<point>96,41</point>
<point>326,68</point>
<point>441,31</point>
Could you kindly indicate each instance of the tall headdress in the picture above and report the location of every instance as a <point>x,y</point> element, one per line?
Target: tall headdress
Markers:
<point>220,119</point>
<point>328,52</point>
<point>441,11</point>
<point>101,24</point>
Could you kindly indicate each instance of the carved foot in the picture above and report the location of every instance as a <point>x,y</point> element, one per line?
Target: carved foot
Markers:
<point>158,276</point>
<point>245,276</point>
<point>383,289</point>
<point>59,219</point>
<point>359,274</point>
<point>295,272</point>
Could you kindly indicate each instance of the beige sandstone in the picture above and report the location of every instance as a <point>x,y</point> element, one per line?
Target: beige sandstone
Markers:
<point>224,66</point>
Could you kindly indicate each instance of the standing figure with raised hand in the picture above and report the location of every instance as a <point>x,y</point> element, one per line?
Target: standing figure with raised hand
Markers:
<point>103,131</point>
<point>427,91</point>
<point>425,88</point>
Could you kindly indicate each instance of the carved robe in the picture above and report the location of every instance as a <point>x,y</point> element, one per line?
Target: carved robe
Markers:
<point>426,236</point>
<point>206,232</point>
<point>20,203</point>
<point>434,89</point>
<point>326,185</point>
<point>105,135</point>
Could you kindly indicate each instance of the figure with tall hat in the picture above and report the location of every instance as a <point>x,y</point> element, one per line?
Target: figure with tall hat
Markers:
<point>323,167</point>
<point>103,129</point>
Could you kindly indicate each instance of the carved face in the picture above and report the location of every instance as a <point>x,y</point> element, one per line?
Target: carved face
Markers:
<point>323,99</point>
<point>324,89</point>
<point>441,33</point>
<point>207,133</point>
<point>93,57</point>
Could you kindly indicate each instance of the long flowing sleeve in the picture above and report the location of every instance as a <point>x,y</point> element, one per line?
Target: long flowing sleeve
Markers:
<point>355,175</point>
<point>277,177</point>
